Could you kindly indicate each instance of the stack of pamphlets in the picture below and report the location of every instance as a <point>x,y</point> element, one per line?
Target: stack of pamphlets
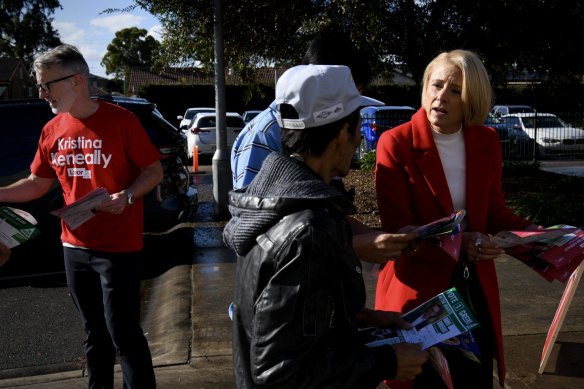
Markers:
<point>554,253</point>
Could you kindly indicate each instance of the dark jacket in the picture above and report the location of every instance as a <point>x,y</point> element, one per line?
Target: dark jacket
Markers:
<point>298,285</point>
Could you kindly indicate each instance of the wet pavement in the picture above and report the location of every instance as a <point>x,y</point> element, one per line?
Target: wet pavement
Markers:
<point>189,330</point>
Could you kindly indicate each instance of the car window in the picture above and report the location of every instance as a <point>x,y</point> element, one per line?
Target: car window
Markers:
<point>543,122</point>
<point>160,131</point>
<point>19,136</point>
<point>206,122</point>
<point>493,120</point>
<point>235,122</point>
<point>521,110</point>
<point>512,121</point>
<point>190,114</point>
<point>212,122</point>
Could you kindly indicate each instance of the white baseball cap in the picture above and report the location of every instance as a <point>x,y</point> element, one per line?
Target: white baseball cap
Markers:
<point>320,94</point>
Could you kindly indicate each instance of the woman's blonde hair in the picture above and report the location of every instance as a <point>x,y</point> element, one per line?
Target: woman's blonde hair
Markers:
<point>477,93</point>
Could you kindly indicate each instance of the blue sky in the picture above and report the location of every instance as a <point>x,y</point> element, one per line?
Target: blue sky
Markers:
<point>79,23</point>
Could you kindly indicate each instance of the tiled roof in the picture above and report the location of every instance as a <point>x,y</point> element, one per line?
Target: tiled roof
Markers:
<point>7,67</point>
<point>194,76</point>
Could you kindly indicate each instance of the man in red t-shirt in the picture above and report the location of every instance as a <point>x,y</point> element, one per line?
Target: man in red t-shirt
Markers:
<point>87,145</point>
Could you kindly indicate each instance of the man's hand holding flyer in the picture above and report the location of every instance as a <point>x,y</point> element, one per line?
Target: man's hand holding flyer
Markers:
<point>444,321</point>
<point>77,213</point>
<point>438,319</point>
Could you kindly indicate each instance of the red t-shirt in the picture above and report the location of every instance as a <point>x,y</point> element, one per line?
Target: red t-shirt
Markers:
<point>107,149</point>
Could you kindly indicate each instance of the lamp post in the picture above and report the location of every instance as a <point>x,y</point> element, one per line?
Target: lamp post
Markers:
<point>222,182</point>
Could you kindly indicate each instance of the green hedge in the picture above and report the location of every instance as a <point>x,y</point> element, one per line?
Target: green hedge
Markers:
<point>173,100</point>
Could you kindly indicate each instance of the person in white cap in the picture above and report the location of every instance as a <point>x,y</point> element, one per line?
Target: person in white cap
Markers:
<point>299,295</point>
<point>261,137</point>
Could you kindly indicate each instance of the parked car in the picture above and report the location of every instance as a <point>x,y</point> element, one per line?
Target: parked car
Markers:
<point>203,132</point>
<point>515,143</point>
<point>248,115</point>
<point>378,119</point>
<point>173,201</point>
<point>552,135</point>
<point>500,110</point>
<point>187,119</point>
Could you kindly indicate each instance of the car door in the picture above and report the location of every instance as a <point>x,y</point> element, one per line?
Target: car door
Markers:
<point>234,126</point>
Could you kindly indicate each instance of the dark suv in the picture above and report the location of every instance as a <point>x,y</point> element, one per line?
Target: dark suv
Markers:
<point>173,201</point>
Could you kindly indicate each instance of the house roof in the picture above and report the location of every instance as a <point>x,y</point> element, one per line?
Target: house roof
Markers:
<point>7,67</point>
<point>139,76</point>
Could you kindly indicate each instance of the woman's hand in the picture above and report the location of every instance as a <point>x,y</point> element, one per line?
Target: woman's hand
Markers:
<point>479,246</point>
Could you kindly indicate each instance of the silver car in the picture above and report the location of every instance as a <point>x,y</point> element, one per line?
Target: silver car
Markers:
<point>203,132</point>
<point>552,135</point>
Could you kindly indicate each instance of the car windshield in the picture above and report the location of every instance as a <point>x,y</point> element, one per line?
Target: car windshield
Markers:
<point>190,114</point>
<point>493,120</point>
<point>543,122</point>
<point>520,109</point>
<point>211,122</point>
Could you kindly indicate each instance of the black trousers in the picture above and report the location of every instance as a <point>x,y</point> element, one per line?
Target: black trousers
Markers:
<point>105,288</point>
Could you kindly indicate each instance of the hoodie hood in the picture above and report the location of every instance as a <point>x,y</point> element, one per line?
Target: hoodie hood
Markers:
<point>283,186</point>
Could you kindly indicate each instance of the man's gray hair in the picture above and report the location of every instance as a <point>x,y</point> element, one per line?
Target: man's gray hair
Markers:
<point>65,56</point>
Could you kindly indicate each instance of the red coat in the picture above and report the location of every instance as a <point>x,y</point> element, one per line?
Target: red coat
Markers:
<point>412,190</point>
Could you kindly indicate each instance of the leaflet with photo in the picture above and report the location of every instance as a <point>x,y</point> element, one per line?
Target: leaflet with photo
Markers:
<point>442,317</point>
<point>82,210</point>
<point>16,226</point>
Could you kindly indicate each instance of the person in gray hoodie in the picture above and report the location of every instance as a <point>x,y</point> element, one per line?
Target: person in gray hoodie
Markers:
<point>299,295</point>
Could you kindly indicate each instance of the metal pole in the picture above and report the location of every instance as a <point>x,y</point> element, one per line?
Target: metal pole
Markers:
<point>222,182</point>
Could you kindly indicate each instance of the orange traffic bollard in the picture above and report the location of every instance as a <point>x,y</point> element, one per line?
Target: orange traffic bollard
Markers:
<point>196,159</point>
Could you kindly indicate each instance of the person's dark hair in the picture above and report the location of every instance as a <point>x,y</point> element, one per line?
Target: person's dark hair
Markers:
<point>313,141</point>
<point>335,48</point>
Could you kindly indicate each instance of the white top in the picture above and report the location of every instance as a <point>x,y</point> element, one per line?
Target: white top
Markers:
<point>452,154</point>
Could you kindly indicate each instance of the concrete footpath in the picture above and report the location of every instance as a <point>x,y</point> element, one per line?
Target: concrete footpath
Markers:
<point>189,331</point>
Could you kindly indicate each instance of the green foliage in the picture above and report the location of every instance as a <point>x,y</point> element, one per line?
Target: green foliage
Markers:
<point>550,208</point>
<point>25,28</point>
<point>546,198</point>
<point>520,168</point>
<point>368,160</point>
<point>405,36</point>
<point>130,47</point>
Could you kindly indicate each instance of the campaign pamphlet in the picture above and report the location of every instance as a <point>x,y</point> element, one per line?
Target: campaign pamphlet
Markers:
<point>82,210</point>
<point>441,318</point>
<point>505,239</point>
<point>16,226</point>
<point>554,253</point>
<point>446,232</point>
<point>449,225</point>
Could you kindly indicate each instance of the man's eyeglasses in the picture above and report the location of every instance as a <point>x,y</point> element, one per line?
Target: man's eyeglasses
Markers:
<point>46,86</point>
